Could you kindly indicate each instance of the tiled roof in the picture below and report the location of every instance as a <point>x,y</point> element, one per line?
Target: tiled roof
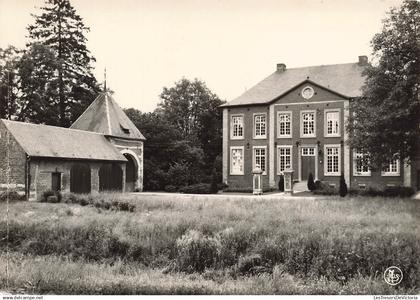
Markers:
<point>344,79</point>
<point>58,142</point>
<point>106,117</point>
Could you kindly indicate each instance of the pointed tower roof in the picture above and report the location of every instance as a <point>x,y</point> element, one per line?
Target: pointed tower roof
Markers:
<point>105,116</point>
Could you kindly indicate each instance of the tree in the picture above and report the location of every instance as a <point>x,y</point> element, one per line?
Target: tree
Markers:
<point>194,111</point>
<point>72,86</point>
<point>9,82</point>
<point>385,120</point>
<point>281,183</point>
<point>343,186</point>
<point>311,183</point>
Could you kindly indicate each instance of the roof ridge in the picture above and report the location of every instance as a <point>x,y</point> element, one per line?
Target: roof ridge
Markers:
<point>315,66</point>
<point>52,126</point>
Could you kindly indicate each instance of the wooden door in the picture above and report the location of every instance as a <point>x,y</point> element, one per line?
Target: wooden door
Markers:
<point>110,177</point>
<point>308,162</point>
<point>56,182</point>
<point>80,178</point>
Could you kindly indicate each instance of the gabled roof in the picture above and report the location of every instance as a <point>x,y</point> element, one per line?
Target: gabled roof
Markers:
<point>344,79</point>
<point>57,142</point>
<point>106,117</point>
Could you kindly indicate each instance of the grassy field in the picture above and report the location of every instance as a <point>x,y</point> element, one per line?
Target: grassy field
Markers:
<point>212,246</point>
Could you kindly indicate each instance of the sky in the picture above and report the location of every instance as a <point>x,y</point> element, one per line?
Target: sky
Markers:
<point>231,45</point>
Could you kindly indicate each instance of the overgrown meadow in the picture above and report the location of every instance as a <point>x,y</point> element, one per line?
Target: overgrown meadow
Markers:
<point>214,245</point>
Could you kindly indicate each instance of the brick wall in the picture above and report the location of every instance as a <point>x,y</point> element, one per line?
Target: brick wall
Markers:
<point>17,160</point>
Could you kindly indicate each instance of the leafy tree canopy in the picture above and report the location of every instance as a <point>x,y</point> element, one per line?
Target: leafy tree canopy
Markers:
<point>385,120</point>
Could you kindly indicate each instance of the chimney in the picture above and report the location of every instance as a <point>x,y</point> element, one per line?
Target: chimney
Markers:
<point>363,60</point>
<point>281,67</point>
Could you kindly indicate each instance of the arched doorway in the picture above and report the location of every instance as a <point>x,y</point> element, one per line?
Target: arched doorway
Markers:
<point>110,177</point>
<point>130,173</point>
<point>80,178</point>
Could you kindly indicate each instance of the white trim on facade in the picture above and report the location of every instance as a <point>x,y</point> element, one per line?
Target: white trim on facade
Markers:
<point>302,135</point>
<point>225,141</point>
<point>271,149</point>
<point>346,160</point>
<point>312,102</point>
<point>265,158</point>
<point>326,173</point>
<point>407,174</point>
<point>331,110</point>
<point>243,160</point>
<point>285,136</point>
<point>254,126</point>
<point>231,127</point>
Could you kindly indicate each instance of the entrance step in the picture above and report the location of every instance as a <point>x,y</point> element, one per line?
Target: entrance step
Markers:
<point>301,186</point>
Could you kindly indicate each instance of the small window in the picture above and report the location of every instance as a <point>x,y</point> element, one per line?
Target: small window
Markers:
<point>308,151</point>
<point>307,124</point>
<point>284,125</point>
<point>125,129</point>
<point>392,169</point>
<point>237,127</point>
<point>259,158</point>
<point>260,127</point>
<point>236,161</point>
<point>332,123</point>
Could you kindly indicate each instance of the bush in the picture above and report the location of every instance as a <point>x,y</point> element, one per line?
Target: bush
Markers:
<point>199,188</point>
<point>196,251</point>
<point>49,193</point>
<point>251,265</point>
<point>326,190</point>
<point>170,188</point>
<point>311,183</point>
<point>12,195</point>
<point>281,183</point>
<point>398,191</point>
<point>318,184</point>
<point>343,186</point>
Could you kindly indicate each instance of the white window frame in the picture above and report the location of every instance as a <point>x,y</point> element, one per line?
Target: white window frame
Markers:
<point>356,155</point>
<point>255,136</point>
<point>254,157</point>
<point>302,112</point>
<point>231,160</point>
<point>332,110</point>
<point>326,173</point>
<point>391,173</point>
<point>279,172</point>
<point>232,137</point>
<point>283,136</point>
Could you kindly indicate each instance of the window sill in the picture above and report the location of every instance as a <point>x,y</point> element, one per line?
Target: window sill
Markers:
<point>236,174</point>
<point>307,136</point>
<point>284,136</point>
<point>332,135</point>
<point>260,137</point>
<point>237,138</point>
<point>390,174</point>
<point>332,174</point>
<point>361,175</point>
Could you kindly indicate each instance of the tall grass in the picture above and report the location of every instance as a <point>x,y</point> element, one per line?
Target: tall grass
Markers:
<point>327,244</point>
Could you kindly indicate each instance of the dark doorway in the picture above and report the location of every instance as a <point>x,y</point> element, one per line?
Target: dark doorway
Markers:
<point>80,178</point>
<point>308,162</point>
<point>56,181</point>
<point>130,173</point>
<point>110,177</point>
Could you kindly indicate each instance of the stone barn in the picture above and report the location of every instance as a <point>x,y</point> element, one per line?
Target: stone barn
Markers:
<point>102,151</point>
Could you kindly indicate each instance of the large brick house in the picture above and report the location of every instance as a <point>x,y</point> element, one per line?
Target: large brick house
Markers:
<point>103,150</point>
<point>296,118</point>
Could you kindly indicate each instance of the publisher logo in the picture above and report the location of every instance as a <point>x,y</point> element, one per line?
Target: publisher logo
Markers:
<point>393,275</point>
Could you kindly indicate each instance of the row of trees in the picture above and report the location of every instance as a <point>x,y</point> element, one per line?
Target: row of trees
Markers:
<point>51,80</point>
<point>184,136</point>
